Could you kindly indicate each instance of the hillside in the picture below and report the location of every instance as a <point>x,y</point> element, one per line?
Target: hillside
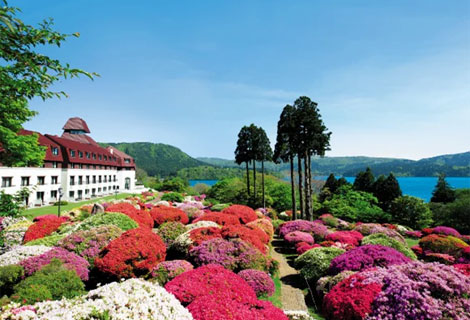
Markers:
<point>158,159</point>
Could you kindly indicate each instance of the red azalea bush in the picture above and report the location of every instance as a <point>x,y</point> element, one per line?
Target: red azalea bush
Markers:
<point>435,243</point>
<point>122,207</point>
<point>200,235</point>
<point>50,216</point>
<point>43,228</point>
<point>299,236</point>
<point>142,217</point>
<point>350,299</point>
<point>162,214</point>
<point>219,218</point>
<point>257,237</point>
<point>135,253</point>
<point>305,247</point>
<point>224,306</point>
<point>348,237</point>
<point>209,280</point>
<point>464,268</point>
<point>244,213</point>
<point>264,224</point>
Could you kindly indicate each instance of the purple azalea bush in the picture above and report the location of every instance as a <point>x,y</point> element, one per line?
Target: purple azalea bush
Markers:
<point>419,290</point>
<point>260,281</point>
<point>448,231</point>
<point>299,236</point>
<point>372,228</point>
<point>232,254</point>
<point>71,261</point>
<point>319,231</point>
<point>368,256</point>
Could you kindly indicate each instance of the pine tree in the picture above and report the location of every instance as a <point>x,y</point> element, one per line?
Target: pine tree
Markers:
<point>443,192</point>
<point>331,183</point>
<point>263,153</point>
<point>386,190</point>
<point>364,181</point>
<point>242,153</point>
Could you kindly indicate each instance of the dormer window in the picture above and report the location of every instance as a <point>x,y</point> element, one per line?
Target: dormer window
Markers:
<point>105,158</point>
<point>127,160</point>
<point>87,155</point>
<point>80,154</point>
<point>100,157</point>
<point>72,153</point>
<point>94,156</point>
<point>55,151</point>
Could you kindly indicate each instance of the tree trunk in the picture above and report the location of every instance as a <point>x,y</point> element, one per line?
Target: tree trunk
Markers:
<point>292,185</point>
<point>308,197</point>
<point>254,182</point>
<point>262,183</point>
<point>247,180</point>
<point>301,201</point>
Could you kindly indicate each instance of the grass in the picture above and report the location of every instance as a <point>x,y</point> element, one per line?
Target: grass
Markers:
<point>34,212</point>
<point>276,298</point>
<point>411,242</point>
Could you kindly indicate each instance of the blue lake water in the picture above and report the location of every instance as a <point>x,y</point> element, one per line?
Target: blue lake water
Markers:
<point>420,187</point>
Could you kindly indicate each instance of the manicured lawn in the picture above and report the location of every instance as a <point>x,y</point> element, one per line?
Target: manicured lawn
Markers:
<point>34,212</point>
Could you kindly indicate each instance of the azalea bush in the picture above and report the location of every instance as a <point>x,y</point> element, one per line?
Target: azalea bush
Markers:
<point>298,236</point>
<point>142,217</point>
<point>89,243</point>
<point>13,231</point>
<point>162,214</point>
<point>325,284</point>
<point>353,238</point>
<point>69,259</point>
<point>49,241</point>
<point>20,253</point>
<point>447,231</point>
<point>314,263</point>
<point>443,244</point>
<point>260,281</point>
<point>367,256</point>
<point>169,231</point>
<point>264,224</point>
<point>219,218</point>
<point>319,231</point>
<point>119,220</point>
<point>254,236</point>
<point>135,253</point>
<point>371,228</point>
<point>384,240</point>
<point>244,213</point>
<point>168,270</point>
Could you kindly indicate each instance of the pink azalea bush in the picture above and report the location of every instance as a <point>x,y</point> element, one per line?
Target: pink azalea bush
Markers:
<point>168,270</point>
<point>318,230</point>
<point>299,236</point>
<point>260,281</point>
<point>447,231</point>
<point>347,237</point>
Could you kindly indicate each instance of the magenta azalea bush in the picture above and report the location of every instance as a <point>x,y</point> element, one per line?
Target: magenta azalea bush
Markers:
<point>299,236</point>
<point>365,257</point>
<point>71,261</point>
<point>168,270</point>
<point>260,281</point>
<point>232,254</point>
<point>319,231</point>
<point>447,231</point>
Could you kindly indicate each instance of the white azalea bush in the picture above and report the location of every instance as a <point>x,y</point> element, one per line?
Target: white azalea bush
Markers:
<point>13,230</point>
<point>131,299</point>
<point>297,315</point>
<point>19,253</point>
<point>201,224</point>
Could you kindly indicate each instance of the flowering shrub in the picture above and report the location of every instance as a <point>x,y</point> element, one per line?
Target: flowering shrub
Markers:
<point>348,237</point>
<point>256,237</point>
<point>297,315</point>
<point>169,231</point>
<point>382,239</point>
<point>89,243</point>
<point>325,284</point>
<point>304,247</point>
<point>223,306</point>
<point>371,228</point>
<point>135,253</point>
<point>202,224</point>
<point>168,270</point>
<point>319,231</point>
<point>447,231</point>
<point>13,232</point>
<point>119,220</point>
<point>465,258</point>
<point>142,217</point>
<point>260,281</point>
<point>163,214</point>
<point>198,236</point>
<point>244,213</point>
<point>70,260</point>
<point>192,209</point>
<point>299,236</point>
<point>329,220</point>
<point>233,255</point>
<point>208,280</point>
<point>50,216</point>
<point>314,263</point>
<point>368,256</point>
<point>42,228</point>
<point>463,268</point>
<point>131,299</point>
<point>443,244</point>
<point>49,241</point>
<point>19,253</point>
<point>414,234</point>
<point>263,224</point>
<point>219,218</point>
<point>438,257</point>
<point>351,299</point>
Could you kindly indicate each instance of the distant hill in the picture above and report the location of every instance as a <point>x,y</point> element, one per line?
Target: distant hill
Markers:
<point>453,165</point>
<point>157,159</point>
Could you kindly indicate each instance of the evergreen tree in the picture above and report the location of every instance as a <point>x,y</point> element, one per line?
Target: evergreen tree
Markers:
<point>331,183</point>
<point>342,182</point>
<point>263,153</point>
<point>243,153</point>
<point>364,181</point>
<point>386,190</point>
<point>443,192</point>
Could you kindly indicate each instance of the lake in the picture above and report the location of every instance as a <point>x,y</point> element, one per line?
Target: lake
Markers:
<point>420,187</point>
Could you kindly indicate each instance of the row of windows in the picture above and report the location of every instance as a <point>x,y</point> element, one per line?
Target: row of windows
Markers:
<point>109,178</point>
<point>93,191</point>
<point>90,166</point>
<point>25,181</point>
<point>89,155</point>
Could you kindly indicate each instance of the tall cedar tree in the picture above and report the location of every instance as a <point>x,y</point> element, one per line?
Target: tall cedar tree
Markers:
<point>284,149</point>
<point>364,181</point>
<point>331,183</point>
<point>26,73</point>
<point>386,190</point>
<point>263,153</point>
<point>443,191</point>
<point>243,153</point>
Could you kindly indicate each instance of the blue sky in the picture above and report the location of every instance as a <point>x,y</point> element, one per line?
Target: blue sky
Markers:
<point>392,78</point>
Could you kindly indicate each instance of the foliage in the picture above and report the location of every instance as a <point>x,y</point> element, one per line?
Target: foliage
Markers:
<point>49,241</point>
<point>42,228</point>
<point>364,181</point>
<point>456,213</point>
<point>384,240</point>
<point>173,184</point>
<point>173,197</point>
<point>119,220</point>
<point>162,214</point>
<point>386,190</point>
<point>168,270</point>
<point>442,191</point>
<point>411,211</point>
<point>372,228</point>
<point>314,263</point>
<point>9,204</point>
<point>26,73</point>
<point>260,281</point>
<point>9,276</point>
<point>443,244</point>
<point>169,231</point>
<point>142,217</point>
<point>53,278</point>
<point>135,253</point>
<point>209,173</point>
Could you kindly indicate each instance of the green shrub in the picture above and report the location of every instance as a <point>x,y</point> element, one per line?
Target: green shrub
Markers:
<point>384,240</point>
<point>173,197</point>
<point>62,203</point>
<point>52,281</point>
<point>9,276</point>
<point>411,211</point>
<point>276,223</point>
<point>220,207</point>
<point>174,184</point>
<point>49,241</point>
<point>443,244</point>
<point>169,231</point>
<point>454,214</point>
<point>314,263</point>
<point>108,218</point>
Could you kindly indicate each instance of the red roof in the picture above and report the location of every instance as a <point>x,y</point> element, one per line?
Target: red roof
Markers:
<point>121,156</point>
<point>76,123</point>
<point>45,141</point>
<point>82,138</point>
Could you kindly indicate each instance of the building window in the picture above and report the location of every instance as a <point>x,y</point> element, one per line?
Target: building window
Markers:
<point>87,179</point>
<point>80,166</point>
<point>94,156</point>
<point>105,158</point>
<point>54,194</point>
<point>72,153</point>
<point>24,181</point>
<point>87,191</point>
<point>99,179</point>
<point>93,192</point>
<point>88,155</point>
<point>54,179</point>
<point>55,151</point>
<point>100,157</point>
<point>105,178</point>
<point>54,164</point>
<point>127,184</point>
<point>41,180</point>
<point>6,182</point>
<point>72,180</point>
<point>80,180</point>
<point>114,178</point>
<point>99,190</point>
<point>127,160</point>
<point>80,154</point>
<point>94,179</point>
<point>40,196</point>
<point>104,189</point>
<point>80,195</point>
<point>71,194</point>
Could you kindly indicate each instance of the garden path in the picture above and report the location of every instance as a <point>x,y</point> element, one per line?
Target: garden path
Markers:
<point>292,297</point>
